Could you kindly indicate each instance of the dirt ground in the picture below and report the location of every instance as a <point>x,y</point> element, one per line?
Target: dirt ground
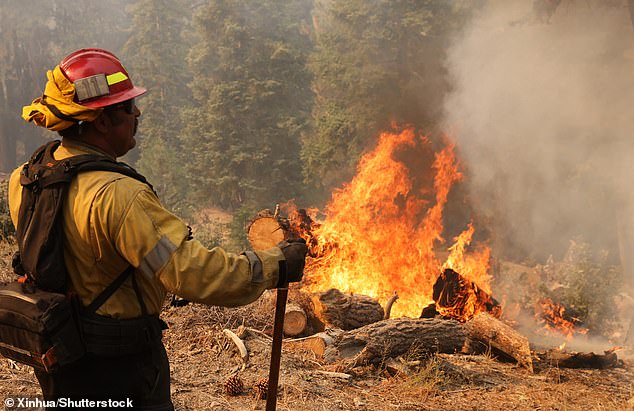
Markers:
<point>203,358</point>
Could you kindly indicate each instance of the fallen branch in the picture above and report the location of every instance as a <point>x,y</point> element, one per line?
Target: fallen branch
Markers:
<point>388,305</point>
<point>244,354</point>
<point>259,333</point>
<point>331,374</point>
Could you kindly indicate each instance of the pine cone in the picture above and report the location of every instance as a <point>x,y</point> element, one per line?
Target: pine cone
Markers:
<point>234,385</point>
<point>261,388</point>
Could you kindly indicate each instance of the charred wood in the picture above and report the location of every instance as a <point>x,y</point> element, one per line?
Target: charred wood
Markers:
<point>580,360</point>
<point>459,298</point>
<point>429,311</point>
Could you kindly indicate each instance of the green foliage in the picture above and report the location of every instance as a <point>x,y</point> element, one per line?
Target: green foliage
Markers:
<point>253,99</point>
<point>210,234</point>
<point>155,55</point>
<point>590,284</point>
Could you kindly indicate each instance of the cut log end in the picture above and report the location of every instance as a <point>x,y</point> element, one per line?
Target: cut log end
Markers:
<point>265,231</point>
<point>294,320</point>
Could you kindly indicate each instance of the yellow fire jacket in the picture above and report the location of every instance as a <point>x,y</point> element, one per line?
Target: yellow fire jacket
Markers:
<point>111,221</point>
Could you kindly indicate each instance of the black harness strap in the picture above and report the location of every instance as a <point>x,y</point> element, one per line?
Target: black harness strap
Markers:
<point>108,291</point>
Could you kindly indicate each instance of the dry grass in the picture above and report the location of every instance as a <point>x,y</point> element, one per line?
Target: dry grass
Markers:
<point>7,248</point>
<point>202,358</point>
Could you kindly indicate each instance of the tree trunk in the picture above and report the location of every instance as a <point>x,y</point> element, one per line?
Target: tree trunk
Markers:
<point>346,311</point>
<point>393,337</point>
<point>317,343</point>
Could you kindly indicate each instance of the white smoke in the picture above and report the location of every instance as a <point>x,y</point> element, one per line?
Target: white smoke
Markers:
<point>543,114</point>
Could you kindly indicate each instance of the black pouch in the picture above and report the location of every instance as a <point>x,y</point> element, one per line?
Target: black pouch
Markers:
<point>110,337</point>
<point>38,327</point>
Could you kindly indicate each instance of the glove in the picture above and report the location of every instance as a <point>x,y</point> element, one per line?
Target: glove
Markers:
<point>294,251</point>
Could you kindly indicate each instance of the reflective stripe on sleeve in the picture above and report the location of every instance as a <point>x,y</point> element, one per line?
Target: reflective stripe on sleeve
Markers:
<point>158,257</point>
<point>257,275</point>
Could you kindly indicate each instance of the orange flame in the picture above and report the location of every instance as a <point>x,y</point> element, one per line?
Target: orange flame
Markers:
<point>555,319</point>
<point>380,230</point>
<point>461,299</point>
<point>474,266</point>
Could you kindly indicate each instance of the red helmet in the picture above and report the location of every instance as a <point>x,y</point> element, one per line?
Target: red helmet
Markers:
<point>99,78</point>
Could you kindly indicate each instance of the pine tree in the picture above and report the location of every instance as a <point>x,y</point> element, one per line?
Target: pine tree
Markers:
<point>253,98</point>
<point>155,55</point>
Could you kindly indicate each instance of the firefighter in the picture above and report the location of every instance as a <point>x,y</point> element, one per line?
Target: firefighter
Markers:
<point>112,222</point>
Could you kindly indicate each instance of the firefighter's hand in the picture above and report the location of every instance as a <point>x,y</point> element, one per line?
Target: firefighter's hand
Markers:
<point>295,251</point>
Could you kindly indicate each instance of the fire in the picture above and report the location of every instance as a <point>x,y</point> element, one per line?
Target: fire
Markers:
<point>474,266</point>
<point>381,230</point>
<point>461,299</point>
<point>556,320</point>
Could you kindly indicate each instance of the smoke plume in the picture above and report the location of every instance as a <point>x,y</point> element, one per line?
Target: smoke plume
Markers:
<point>543,113</point>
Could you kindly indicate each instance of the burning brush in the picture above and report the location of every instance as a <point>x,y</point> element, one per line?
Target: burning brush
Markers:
<point>556,319</point>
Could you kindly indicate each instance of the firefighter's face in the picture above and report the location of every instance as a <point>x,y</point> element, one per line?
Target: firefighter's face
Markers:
<point>124,122</point>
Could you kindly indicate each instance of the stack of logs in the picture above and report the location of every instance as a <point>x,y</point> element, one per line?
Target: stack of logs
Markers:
<point>355,329</point>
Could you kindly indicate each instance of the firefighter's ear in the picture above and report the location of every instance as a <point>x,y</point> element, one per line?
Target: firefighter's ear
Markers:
<point>102,123</point>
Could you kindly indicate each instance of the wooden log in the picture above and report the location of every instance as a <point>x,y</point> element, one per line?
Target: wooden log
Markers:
<point>486,332</point>
<point>317,343</point>
<point>376,342</point>
<point>346,311</point>
<point>265,230</point>
<point>580,360</point>
<point>294,320</point>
